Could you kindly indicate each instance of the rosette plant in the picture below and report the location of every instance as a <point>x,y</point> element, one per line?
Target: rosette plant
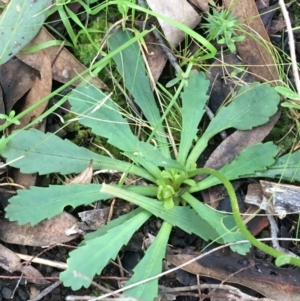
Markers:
<point>168,170</point>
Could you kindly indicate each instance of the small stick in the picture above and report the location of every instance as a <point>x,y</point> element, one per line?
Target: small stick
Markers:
<point>291,43</point>
<point>50,263</point>
<point>46,291</point>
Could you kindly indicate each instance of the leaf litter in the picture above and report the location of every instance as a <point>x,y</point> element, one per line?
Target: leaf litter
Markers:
<point>65,66</point>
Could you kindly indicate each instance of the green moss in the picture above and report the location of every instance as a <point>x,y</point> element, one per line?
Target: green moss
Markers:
<point>295,8</point>
<point>86,50</point>
<point>84,136</point>
<point>281,134</point>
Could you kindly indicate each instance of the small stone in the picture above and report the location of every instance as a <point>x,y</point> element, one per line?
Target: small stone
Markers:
<point>6,292</point>
<point>23,294</point>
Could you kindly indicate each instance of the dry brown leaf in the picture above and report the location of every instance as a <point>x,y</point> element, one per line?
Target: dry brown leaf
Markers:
<point>93,219</point>
<point>41,88</point>
<point>179,10</point>
<point>253,54</point>
<point>239,140</point>
<point>11,262</point>
<point>47,232</point>
<point>23,179</point>
<point>65,66</point>
<point>16,79</point>
<point>277,25</point>
<point>202,4</point>
<point>33,275</point>
<point>155,56</point>
<point>84,177</point>
<point>275,283</point>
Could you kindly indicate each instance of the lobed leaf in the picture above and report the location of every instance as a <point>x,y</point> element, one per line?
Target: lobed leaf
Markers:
<point>89,259</point>
<point>27,147</point>
<point>252,106</point>
<point>131,67</point>
<point>252,159</point>
<point>102,115</point>
<point>193,98</point>
<point>19,23</point>
<point>149,266</point>
<point>286,167</point>
<point>146,151</point>
<point>39,203</point>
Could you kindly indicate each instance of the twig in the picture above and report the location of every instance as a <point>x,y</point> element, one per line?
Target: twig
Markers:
<point>291,44</point>
<point>47,262</point>
<point>46,291</point>
<point>103,297</point>
<point>232,290</point>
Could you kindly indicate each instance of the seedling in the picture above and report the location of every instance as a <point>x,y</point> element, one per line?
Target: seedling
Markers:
<point>171,180</point>
<point>221,26</point>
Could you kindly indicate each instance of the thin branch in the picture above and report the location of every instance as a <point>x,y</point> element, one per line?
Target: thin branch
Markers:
<point>291,44</point>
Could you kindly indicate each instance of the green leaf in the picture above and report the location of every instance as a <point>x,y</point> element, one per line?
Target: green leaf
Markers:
<point>173,82</point>
<point>193,98</point>
<point>287,92</point>
<point>254,158</point>
<point>215,219</point>
<point>149,266</point>
<point>182,217</point>
<point>102,115</point>
<point>252,106</point>
<point>39,203</point>
<point>290,105</point>
<point>91,258</point>
<point>97,111</point>
<point>286,167</point>
<point>26,148</point>
<point>146,151</point>
<point>282,260</point>
<point>131,67</point>
<point>19,23</point>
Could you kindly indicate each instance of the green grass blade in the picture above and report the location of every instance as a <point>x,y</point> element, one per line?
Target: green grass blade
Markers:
<point>252,159</point>
<point>131,67</point>
<point>28,147</point>
<point>149,266</point>
<point>208,48</point>
<point>39,203</point>
<point>89,259</point>
<point>67,24</point>
<point>252,106</point>
<point>19,23</point>
<point>193,98</point>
